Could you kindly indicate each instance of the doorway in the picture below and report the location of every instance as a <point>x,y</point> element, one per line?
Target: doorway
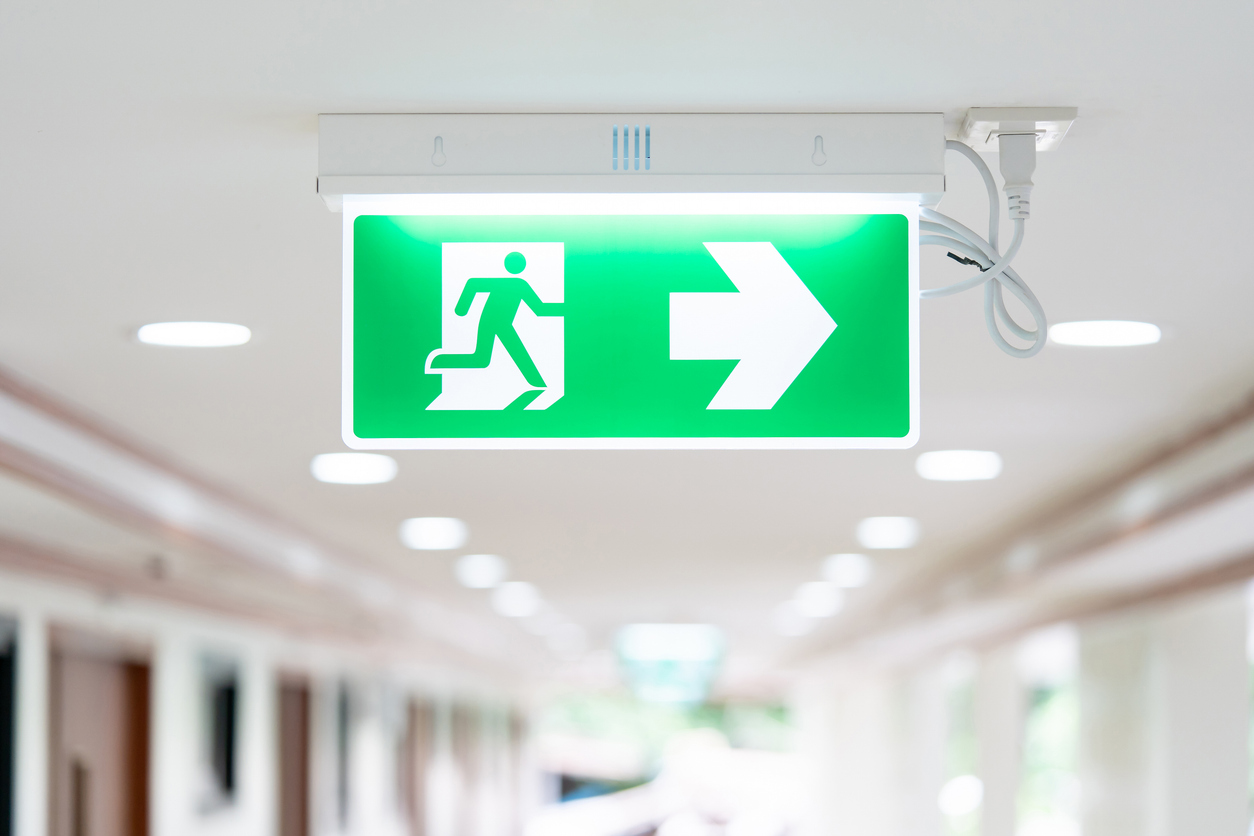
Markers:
<point>293,757</point>
<point>417,749</point>
<point>8,717</point>
<point>99,738</point>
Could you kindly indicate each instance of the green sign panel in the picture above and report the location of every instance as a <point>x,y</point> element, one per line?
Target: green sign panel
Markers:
<point>630,331</point>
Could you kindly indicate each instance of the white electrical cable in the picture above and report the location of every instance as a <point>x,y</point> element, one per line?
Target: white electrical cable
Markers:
<point>995,273</point>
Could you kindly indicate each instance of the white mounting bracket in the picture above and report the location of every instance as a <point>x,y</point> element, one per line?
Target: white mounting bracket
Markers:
<point>983,125</point>
<point>892,155</point>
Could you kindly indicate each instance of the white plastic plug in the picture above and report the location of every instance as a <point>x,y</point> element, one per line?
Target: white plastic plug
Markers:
<point>1018,161</point>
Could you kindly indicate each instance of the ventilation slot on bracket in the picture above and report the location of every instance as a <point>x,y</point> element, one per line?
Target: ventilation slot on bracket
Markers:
<point>630,158</point>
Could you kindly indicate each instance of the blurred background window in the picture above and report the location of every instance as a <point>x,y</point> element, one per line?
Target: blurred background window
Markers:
<point>219,732</point>
<point>593,744</point>
<point>1049,790</point>
<point>962,794</point>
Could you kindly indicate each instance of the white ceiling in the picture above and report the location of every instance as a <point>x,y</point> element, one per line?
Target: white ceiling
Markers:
<point>159,163</point>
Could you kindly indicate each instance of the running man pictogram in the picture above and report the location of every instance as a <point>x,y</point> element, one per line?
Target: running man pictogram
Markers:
<point>505,296</point>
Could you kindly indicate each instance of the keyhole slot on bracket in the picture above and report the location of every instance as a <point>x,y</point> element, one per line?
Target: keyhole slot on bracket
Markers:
<point>819,156</point>
<point>438,157</point>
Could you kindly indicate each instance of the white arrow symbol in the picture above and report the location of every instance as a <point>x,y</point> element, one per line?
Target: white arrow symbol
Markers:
<point>773,326</point>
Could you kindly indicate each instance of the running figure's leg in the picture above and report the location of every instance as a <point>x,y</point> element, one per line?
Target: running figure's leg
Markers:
<point>485,339</point>
<point>514,345</point>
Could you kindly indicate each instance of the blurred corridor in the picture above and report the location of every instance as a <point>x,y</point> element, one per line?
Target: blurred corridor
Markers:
<point>1091,674</point>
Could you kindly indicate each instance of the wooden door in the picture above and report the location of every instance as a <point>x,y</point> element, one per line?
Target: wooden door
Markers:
<point>100,717</point>
<point>293,758</point>
<point>465,728</point>
<point>8,715</point>
<point>414,764</point>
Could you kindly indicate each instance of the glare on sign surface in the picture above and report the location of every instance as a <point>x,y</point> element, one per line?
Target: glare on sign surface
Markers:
<point>194,334</point>
<point>434,533</point>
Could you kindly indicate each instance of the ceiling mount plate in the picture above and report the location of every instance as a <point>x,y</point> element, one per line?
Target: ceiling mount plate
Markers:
<point>982,125</point>
<point>895,155</point>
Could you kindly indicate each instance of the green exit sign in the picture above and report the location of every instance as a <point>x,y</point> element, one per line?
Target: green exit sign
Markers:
<point>634,330</point>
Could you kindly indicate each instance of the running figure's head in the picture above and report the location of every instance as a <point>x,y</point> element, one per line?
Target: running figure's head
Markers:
<point>515,263</point>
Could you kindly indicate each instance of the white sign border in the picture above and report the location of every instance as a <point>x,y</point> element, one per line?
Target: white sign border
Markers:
<point>627,204</point>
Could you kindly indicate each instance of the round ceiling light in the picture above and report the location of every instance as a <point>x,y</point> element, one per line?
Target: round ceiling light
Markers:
<point>958,465</point>
<point>888,532</point>
<point>818,599</point>
<point>847,571</point>
<point>353,468</point>
<point>1105,333</point>
<point>516,599</point>
<point>194,334</point>
<point>480,571</point>
<point>434,533</point>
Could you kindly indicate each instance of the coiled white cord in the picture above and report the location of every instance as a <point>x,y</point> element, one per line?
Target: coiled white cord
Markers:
<point>995,270</point>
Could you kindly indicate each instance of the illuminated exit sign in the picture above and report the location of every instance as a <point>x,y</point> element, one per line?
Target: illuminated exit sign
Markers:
<point>630,321</point>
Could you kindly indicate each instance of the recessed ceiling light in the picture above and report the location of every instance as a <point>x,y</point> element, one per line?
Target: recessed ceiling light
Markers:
<point>1105,333</point>
<point>194,334</point>
<point>543,621</point>
<point>848,571</point>
<point>516,599</point>
<point>433,533</point>
<point>670,643</point>
<point>791,622</point>
<point>818,599</point>
<point>480,571</point>
<point>888,532</point>
<point>958,465</point>
<point>353,468</point>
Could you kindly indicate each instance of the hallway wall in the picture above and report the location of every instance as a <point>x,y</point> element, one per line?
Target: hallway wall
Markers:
<point>1162,734</point>
<point>181,641</point>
